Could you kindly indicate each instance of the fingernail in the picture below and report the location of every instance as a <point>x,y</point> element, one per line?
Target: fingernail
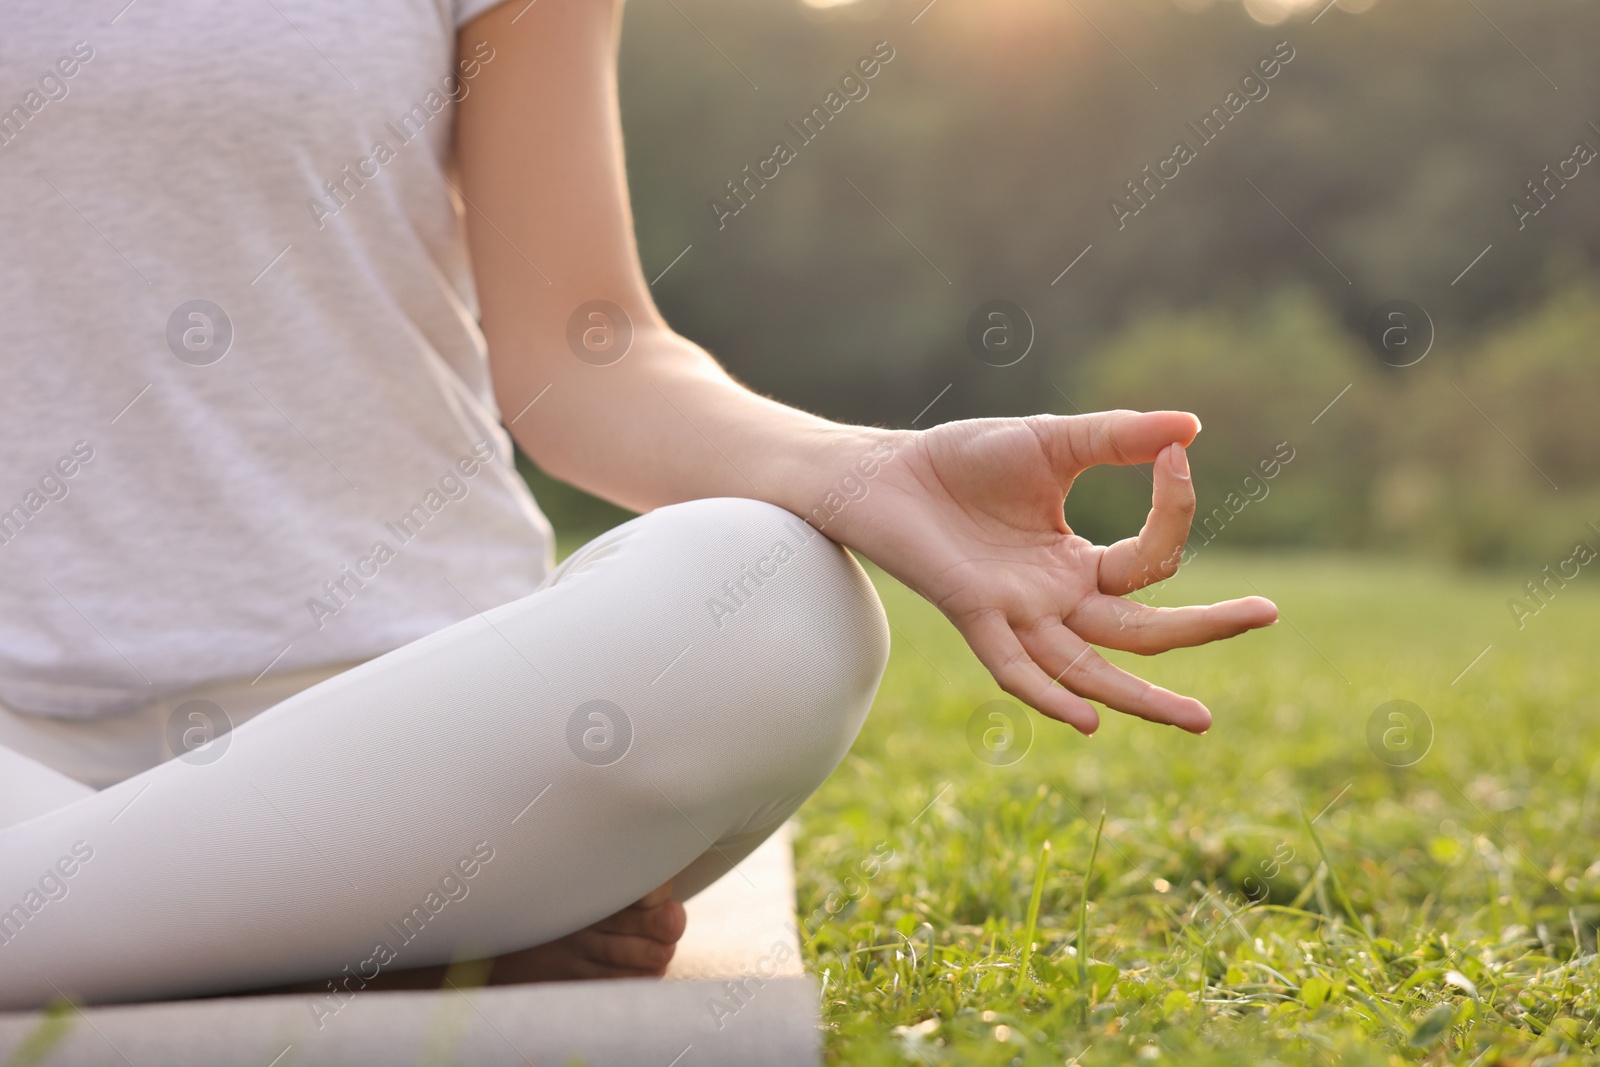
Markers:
<point>1180,461</point>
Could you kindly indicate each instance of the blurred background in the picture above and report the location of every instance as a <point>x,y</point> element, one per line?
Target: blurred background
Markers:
<point>1381,164</point>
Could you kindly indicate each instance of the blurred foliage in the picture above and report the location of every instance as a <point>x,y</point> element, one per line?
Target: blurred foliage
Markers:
<point>1460,455</point>
<point>982,161</point>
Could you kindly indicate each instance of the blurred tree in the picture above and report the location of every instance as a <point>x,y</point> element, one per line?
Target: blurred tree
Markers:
<point>981,162</point>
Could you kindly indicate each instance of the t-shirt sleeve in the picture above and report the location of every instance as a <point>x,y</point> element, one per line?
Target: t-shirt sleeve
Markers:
<point>467,10</point>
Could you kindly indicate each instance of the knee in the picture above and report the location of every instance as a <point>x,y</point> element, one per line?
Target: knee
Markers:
<point>794,599</point>
<point>795,628</point>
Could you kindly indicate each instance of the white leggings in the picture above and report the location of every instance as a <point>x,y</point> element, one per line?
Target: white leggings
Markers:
<point>664,701</point>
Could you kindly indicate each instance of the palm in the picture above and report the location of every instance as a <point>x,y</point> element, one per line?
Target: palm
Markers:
<point>972,519</point>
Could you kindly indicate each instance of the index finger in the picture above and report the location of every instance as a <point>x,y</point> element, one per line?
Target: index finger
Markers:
<point>1153,556</point>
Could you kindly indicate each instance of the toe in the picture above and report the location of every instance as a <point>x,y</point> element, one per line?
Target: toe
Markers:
<point>668,922</point>
<point>636,942</point>
<point>626,952</point>
<point>665,922</point>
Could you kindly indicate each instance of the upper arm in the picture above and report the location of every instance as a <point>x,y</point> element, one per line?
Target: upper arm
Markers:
<point>539,149</point>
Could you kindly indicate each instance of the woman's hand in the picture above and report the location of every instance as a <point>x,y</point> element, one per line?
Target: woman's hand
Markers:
<point>969,514</point>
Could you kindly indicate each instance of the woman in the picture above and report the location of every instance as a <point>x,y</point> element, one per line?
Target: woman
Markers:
<point>255,461</point>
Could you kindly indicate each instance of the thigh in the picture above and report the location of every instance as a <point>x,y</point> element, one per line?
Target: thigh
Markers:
<point>683,682</point>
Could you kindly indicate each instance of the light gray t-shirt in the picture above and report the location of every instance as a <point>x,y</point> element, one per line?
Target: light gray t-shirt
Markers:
<point>246,422</point>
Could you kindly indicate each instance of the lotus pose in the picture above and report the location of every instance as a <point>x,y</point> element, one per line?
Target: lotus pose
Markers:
<point>258,475</point>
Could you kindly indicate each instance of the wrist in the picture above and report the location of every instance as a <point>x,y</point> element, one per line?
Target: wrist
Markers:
<point>842,474</point>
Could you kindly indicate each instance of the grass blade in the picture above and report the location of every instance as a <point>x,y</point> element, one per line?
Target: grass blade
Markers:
<point>1083,919</point>
<point>1333,877</point>
<point>1033,912</point>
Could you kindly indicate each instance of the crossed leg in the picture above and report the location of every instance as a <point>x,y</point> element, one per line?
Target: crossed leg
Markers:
<point>671,694</point>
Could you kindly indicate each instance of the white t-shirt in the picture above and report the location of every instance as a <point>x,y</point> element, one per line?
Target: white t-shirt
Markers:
<point>246,421</point>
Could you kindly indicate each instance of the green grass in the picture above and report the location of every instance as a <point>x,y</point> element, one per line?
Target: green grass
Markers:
<point>1271,892</point>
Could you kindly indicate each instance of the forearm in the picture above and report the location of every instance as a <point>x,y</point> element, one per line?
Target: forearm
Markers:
<point>666,424</point>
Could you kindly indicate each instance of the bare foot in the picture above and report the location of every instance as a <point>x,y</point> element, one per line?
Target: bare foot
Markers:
<point>636,942</point>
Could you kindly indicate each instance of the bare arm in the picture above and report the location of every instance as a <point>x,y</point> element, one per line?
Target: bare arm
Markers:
<point>540,150</point>
<point>969,513</point>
